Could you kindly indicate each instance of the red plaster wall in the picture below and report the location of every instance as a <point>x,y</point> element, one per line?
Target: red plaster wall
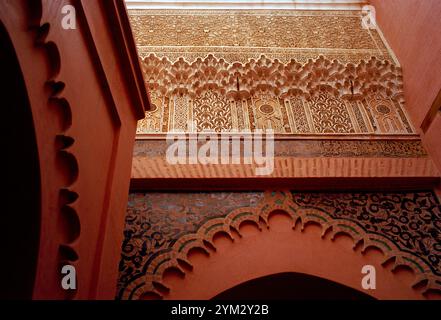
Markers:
<point>280,249</point>
<point>411,27</point>
<point>101,87</point>
<point>432,139</point>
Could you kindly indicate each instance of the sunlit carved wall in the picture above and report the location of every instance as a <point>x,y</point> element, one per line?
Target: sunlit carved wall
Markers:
<point>291,71</point>
<point>332,92</point>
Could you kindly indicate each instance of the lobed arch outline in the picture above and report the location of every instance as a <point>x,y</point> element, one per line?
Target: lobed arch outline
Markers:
<point>274,202</point>
<point>40,56</point>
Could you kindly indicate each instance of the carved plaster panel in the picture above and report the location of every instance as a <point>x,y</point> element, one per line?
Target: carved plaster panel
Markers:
<point>321,96</point>
<point>291,71</point>
<point>240,35</point>
<point>161,228</point>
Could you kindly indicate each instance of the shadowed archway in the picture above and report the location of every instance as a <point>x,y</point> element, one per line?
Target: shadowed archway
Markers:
<point>20,180</point>
<point>258,254</point>
<point>291,286</point>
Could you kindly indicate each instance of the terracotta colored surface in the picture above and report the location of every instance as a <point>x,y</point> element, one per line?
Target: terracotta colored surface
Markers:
<point>310,162</point>
<point>81,85</point>
<point>310,173</point>
<point>288,167</point>
<point>185,222</point>
<point>432,139</point>
<point>281,249</point>
<point>412,29</point>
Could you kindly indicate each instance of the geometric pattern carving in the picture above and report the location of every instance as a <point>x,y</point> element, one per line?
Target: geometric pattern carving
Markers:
<point>300,116</point>
<point>296,72</point>
<point>330,115</point>
<point>212,113</point>
<point>162,228</point>
<point>155,117</point>
<point>241,35</point>
<point>181,109</point>
<point>241,81</point>
<point>387,114</point>
<point>321,96</point>
<point>308,72</point>
<point>314,148</point>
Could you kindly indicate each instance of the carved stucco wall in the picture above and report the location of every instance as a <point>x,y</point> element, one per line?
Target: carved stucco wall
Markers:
<point>161,228</point>
<point>296,72</point>
<point>317,74</point>
<point>241,35</point>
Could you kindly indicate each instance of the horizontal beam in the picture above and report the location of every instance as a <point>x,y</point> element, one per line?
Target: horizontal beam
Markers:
<point>284,136</point>
<point>318,173</point>
<point>250,5</point>
<point>379,184</point>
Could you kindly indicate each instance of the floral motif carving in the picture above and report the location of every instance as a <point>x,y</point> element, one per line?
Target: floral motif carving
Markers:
<point>212,113</point>
<point>162,228</point>
<point>315,148</point>
<point>153,117</point>
<point>240,35</point>
<point>330,115</point>
<point>241,81</point>
<point>321,96</point>
<point>292,58</point>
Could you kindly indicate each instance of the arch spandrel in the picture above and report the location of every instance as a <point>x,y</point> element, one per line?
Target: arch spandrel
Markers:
<point>142,270</point>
